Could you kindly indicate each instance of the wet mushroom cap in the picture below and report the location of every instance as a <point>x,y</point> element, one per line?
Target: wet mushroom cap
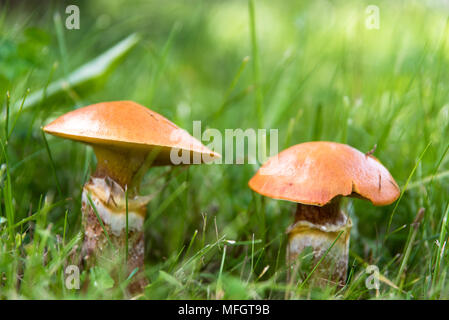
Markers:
<point>314,173</point>
<point>127,125</point>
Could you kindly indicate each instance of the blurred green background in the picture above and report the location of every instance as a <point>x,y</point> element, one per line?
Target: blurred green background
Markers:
<point>311,69</point>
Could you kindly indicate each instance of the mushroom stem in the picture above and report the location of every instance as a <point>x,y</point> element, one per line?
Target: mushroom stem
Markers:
<point>121,165</point>
<point>97,249</point>
<point>318,228</point>
<point>105,241</point>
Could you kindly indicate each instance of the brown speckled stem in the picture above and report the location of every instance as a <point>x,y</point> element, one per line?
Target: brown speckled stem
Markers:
<point>318,227</point>
<point>97,250</point>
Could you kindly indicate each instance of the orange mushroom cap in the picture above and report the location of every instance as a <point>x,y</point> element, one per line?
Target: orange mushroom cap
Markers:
<point>314,173</point>
<point>129,125</point>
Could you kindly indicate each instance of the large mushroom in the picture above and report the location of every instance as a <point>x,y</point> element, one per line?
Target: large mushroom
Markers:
<point>127,138</point>
<point>316,175</point>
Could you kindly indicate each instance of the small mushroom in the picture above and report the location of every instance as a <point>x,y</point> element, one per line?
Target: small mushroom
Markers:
<point>316,175</point>
<point>127,138</point>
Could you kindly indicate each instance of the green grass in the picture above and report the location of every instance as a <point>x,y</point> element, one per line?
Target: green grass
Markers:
<point>308,68</point>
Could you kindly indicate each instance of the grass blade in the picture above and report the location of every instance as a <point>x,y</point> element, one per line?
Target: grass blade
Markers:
<point>404,189</point>
<point>94,69</point>
<point>52,163</point>
<point>255,58</point>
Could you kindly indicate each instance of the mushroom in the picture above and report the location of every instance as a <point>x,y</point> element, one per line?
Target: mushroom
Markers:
<point>127,138</point>
<point>316,175</point>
